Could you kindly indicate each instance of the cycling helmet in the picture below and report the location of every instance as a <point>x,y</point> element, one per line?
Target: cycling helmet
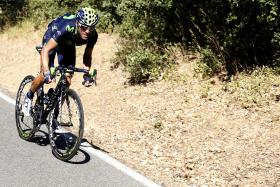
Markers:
<point>87,17</point>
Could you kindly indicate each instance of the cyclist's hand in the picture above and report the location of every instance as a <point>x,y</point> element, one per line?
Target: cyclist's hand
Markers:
<point>88,80</point>
<point>93,73</point>
<point>47,77</point>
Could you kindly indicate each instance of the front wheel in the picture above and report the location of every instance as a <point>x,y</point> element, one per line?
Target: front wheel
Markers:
<point>66,126</point>
<point>25,124</point>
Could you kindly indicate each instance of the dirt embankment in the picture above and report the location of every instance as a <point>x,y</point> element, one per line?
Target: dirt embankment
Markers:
<point>180,132</point>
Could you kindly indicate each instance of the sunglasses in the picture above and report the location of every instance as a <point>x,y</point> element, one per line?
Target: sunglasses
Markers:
<point>86,28</point>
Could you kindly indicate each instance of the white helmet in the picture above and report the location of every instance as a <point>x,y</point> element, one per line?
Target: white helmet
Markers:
<point>87,17</point>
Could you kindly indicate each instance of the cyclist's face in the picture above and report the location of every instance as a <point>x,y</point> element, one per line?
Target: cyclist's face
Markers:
<point>85,31</point>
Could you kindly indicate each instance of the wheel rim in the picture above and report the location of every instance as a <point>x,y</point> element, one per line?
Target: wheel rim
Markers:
<point>24,123</point>
<point>66,143</point>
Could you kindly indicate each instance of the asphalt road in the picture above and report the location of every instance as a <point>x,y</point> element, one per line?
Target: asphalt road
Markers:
<point>25,163</point>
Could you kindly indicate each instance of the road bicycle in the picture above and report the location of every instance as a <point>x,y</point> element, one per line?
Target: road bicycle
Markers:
<point>60,109</point>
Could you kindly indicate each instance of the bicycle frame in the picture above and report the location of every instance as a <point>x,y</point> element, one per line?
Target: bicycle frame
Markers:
<point>43,107</point>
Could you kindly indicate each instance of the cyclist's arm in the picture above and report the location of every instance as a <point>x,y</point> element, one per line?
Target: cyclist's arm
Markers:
<point>45,54</point>
<point>87,57</point>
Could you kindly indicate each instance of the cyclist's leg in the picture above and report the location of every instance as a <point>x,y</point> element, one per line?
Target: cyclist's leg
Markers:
<point>36,84</point>
<point>67,57</point>
<point>39,79</point>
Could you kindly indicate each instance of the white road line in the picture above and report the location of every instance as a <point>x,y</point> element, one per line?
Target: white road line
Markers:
<point>8,99</point>
<point>106,158</point>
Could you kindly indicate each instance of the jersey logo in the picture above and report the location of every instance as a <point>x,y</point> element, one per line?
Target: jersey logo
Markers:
<point>69,17</point>
<point>54,27</point>
<point>70,29</point>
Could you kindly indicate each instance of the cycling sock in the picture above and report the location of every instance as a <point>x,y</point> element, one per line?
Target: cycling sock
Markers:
<point>30,94</point>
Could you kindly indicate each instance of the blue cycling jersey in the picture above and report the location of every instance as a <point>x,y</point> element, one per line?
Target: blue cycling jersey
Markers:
<point>65,32</point>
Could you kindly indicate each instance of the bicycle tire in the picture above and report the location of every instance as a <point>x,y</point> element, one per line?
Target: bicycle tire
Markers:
<point>66,150</point>
<point>29,132</point>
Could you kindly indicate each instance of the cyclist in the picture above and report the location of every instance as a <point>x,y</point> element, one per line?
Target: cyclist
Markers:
<point>61,37</point>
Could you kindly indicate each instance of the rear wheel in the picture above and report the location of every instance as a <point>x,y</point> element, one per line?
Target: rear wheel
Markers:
<point>66,126</point>
<point>25,124</point>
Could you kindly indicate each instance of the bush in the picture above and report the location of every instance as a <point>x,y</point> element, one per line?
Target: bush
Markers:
<point>243,34</point>
<point>240,34</point>
<point>145,20</point>
<point>142,64</point>
<point>209,63</point>
<point>11,12</point>
<point>42,11</point>
<point>108,11</point>
<point>253,25</point>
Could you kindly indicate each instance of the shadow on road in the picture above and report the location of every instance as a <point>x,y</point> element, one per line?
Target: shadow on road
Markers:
<point>93,146</point>
<point>42,139</point>
<point>82,157</point>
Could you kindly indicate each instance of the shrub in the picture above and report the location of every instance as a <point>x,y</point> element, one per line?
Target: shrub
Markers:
<point>10,12</point>
<point>240,34</point>
<point>42,11</point>
<point>142,64</point>
<point>209,63</point>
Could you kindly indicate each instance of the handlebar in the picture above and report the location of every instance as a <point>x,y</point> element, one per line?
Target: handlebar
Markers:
<point>67,69</point>
<point>70,69</point>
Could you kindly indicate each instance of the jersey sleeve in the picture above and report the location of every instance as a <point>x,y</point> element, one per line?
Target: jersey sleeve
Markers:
<point>58,32</point>
<point>92,40</point>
